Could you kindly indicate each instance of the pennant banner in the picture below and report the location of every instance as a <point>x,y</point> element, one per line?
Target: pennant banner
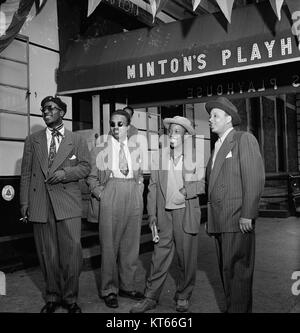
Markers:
<point>156,6</point>
<point>276,5</point>
<point>39,5</point>
<point>196,3</point>
<point>13,14</point>
<point>35,10</point>
<point>93,4</point>
<point>226,7</point>
<point>294,8</point>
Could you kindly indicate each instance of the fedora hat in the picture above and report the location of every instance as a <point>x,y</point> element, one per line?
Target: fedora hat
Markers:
<point>224,104</point>
<point>184,122</point>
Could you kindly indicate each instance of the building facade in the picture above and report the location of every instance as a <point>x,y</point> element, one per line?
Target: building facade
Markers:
<point>118,56</point>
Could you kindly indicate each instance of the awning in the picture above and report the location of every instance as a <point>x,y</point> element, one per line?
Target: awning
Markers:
<point>203,46</point>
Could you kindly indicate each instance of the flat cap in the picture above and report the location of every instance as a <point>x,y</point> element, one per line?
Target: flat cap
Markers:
<point>56,100</point>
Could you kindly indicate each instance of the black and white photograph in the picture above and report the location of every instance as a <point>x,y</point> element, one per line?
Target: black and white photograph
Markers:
<point>150,159</point>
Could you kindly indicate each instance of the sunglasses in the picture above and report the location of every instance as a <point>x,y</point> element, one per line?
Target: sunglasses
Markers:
<point>50,108</point>
<point>119,123</point>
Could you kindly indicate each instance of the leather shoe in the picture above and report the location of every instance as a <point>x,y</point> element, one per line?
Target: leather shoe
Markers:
<point>73,308</point>
<point>50,307</point>
<point>144,305</point>
<point>136,295</point>
<point>182,305</point>
<point>111,301</point>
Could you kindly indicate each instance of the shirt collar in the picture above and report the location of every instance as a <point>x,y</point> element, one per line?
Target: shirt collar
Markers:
<point>116,142</point>
<point>61,130</point>
<point>223,137</point>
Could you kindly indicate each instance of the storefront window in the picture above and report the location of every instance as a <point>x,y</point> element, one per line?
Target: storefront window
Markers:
<point>82,112</point>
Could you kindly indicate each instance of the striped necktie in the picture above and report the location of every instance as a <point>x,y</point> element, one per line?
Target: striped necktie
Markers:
<point>52,150</point>
<point>123,164</point>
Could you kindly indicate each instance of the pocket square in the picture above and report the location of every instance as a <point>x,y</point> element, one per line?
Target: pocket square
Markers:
<point>72,157</point>
<point>229,154</point>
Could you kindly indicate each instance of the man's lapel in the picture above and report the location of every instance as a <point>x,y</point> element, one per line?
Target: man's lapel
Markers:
<point>163,168</point>
<point>208,167</point>
<point>63,151</point>
<point>220,158</point>
<point>40,144</point>
<point>163,179</point>
<point>106,160</point>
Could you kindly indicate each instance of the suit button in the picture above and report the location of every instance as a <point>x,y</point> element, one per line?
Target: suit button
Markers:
<point>34,175</point>
<point>64,187</point>
<point>34,190</point>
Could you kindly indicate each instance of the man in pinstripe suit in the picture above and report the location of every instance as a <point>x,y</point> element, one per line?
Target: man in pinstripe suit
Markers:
<point>54,160</point>
<point>235,175</point>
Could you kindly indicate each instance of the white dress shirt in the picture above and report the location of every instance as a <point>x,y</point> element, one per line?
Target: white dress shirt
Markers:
<point>219,143</point>
<point>115,159</point>
<point>57,139</point>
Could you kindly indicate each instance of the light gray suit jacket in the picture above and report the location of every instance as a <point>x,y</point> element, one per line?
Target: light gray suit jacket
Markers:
<point>101,159</point>
<point>73,157</point>
<point>235,183</point>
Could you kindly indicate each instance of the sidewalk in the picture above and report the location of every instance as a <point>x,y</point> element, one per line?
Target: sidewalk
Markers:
<point>277,257</point>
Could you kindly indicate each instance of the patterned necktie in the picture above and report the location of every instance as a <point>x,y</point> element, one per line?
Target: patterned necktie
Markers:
<point>123,164</point>
<point>52,150</point>
<point>218,145</point>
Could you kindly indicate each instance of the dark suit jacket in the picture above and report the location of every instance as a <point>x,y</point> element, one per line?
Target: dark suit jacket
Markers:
<point>101,172</point>
<point>194,184</point>
<point>235,183</point>
<point>73,157</point>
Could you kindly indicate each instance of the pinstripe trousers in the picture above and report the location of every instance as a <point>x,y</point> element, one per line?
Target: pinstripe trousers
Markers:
<point>60,256</point>
<point>236,256</point>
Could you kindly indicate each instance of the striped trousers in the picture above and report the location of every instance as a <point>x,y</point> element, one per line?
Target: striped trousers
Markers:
<point>236,256</point>
<point>60,255</point>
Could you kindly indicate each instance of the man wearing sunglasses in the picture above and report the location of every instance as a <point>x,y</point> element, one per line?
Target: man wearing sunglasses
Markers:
<point>54,160</point>
<point>116,181</point>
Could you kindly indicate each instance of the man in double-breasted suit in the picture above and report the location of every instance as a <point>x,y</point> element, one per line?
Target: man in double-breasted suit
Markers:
<point>173,206</point>
<point>116,180</point>
<point>235,175</point>
<point>54,160</point>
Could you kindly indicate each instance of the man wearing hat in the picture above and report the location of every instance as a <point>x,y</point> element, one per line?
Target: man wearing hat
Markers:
<point>132,134</point>
<point>235,175</point>
<point>116,180</point>
<point>132,130</point>
<point>54,160</point>
<point>173,206</point>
